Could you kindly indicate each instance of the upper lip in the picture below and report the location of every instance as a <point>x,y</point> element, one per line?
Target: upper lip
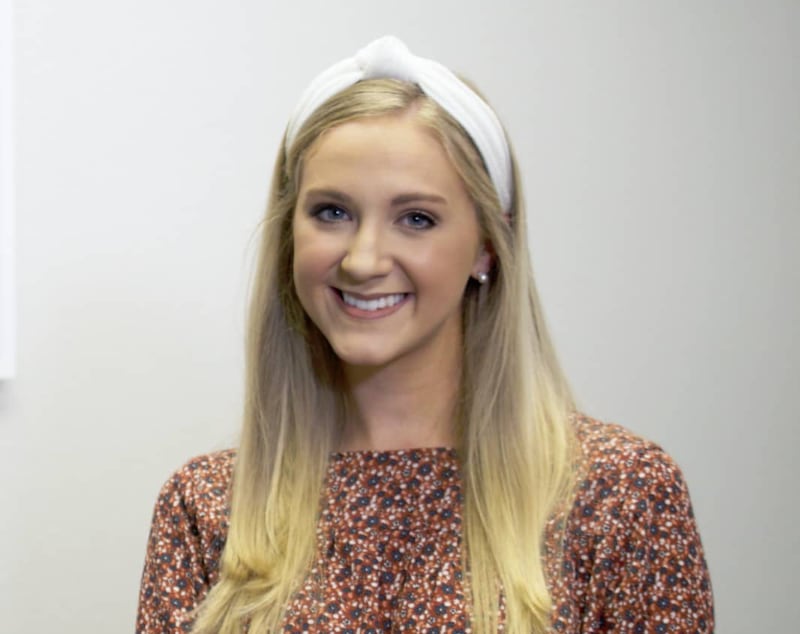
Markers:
<point>369,296</point>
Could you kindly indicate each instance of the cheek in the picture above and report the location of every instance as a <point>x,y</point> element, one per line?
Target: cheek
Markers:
<point>304,272</point>
<point>447,263</point>
<point>311,265</point>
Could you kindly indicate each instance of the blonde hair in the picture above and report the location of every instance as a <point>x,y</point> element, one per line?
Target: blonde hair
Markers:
<point>515,441</point>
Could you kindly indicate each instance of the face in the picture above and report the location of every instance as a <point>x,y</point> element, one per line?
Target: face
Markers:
<point>385,240</point>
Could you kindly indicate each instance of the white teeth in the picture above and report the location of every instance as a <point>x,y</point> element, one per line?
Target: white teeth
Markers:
<point>373,304</point>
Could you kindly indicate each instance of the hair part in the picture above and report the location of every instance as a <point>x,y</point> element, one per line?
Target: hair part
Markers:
<point>514,440</point>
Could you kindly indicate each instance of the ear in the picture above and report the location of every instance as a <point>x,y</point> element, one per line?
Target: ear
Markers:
<point>484,260</point>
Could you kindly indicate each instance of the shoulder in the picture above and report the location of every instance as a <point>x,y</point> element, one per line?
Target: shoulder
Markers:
<point>201,472</point>
<point>627,485</point>
<point>190,519</point>
<point>610,442</point>
<point>201,486</point>
<point>632,506</point>
<point>631,551</point>
<point>619,461</point>
<point>187,535</point>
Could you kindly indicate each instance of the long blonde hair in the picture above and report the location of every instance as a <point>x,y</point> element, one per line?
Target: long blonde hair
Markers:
<point>515,442</point>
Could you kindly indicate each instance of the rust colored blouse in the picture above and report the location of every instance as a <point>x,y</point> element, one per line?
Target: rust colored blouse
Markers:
<point>389,545</point>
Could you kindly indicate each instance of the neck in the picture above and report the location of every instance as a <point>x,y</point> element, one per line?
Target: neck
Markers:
<point>405,404</point>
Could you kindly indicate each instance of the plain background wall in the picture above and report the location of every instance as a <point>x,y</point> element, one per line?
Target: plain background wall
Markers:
<point>660,147</point>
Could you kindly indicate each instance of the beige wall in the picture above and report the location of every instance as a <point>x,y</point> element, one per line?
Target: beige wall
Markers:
<point>661,151</point>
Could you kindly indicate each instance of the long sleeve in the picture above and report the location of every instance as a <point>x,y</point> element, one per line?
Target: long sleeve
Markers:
<point>662,581</point>
<point>632,557</point>
<point>186,539</point>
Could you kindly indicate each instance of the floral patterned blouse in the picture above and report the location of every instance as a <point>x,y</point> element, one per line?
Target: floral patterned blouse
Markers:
<point>389,545</point>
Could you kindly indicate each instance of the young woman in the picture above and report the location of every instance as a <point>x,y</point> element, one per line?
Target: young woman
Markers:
<point>410,458</point>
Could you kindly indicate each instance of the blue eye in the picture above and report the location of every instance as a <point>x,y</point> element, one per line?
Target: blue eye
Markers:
<point>330,213</point>
<point>418,220</point>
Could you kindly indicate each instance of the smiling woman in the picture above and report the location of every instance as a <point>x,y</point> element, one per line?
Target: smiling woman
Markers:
<point>385,241</point>
<point>411,458</point>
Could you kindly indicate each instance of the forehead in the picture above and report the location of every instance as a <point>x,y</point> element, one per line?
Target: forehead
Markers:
<point>392,150</point>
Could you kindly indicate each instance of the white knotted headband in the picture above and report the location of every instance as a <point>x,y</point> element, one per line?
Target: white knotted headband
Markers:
<point>389,58</point>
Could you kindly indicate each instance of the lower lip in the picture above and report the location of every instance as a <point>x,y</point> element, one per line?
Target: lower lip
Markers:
<point>360,313</point>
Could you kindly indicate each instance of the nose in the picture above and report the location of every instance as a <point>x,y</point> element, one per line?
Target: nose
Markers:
<point>366,255</point>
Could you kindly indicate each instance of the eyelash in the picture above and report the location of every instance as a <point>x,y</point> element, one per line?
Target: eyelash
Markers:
<point>410,219</point>
<point>429,222</point>
<point>323,210</point>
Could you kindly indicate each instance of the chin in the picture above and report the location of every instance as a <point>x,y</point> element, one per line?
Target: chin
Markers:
<point>365,361</point>
<point>363,357</point>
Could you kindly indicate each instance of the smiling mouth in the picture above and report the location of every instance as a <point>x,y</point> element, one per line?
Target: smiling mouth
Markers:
<point>372,304</point>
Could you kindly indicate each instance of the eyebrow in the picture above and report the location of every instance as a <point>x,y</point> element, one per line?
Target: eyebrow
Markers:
<point>400,199</point>
<point>413,197</point>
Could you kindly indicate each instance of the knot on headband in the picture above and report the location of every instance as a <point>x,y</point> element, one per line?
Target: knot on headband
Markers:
<point>389,58</point>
